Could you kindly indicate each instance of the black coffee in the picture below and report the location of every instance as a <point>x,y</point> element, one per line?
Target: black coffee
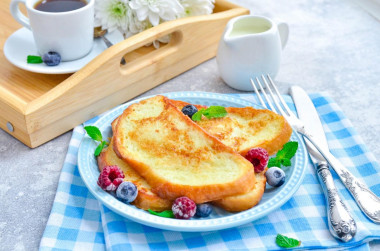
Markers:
<point>59,5</point>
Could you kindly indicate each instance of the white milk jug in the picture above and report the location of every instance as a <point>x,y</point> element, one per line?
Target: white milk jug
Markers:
<point>250,46</point>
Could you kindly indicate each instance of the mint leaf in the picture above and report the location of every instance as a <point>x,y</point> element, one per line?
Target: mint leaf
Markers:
<point>283,157</point>
<point>290,149</point>
<point>210,112</point>
<point>215,112</point>
<point>99,149</point>
<point>34,59</point>
<point>286,162</point>
<point>286,242</point>
<point>273,162</point>
<point>94,133</point>
<point>198,115</point>
<point>166,214</point>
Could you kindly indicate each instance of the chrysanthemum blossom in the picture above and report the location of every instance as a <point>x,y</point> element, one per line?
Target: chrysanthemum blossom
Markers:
<point>154,10</point>
<point>197,7</point>
<point>113,14</point>
<point>139,26</point>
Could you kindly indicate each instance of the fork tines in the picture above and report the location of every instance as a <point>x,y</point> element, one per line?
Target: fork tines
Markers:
<point>277,99</point>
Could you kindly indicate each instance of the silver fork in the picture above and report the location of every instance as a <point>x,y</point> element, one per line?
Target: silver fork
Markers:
<point>368,202</point>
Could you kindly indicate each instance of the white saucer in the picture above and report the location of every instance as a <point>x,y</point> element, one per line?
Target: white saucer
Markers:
<point>21,44</point>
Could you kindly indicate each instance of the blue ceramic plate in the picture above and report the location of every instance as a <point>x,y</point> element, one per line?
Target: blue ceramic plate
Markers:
<point>273,197</point>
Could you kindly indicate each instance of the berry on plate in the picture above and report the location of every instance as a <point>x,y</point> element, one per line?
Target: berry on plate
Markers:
<point>126,192</point>
<point>203,210</point>
<point>184,208</point>
<point>258,157</point>
<point>189,110</point>
<point>110,178</point>
<point>275,176</point>
<point>51,58</point>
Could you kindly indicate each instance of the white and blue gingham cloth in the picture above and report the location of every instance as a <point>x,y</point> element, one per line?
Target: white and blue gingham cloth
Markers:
<point>79,222</point>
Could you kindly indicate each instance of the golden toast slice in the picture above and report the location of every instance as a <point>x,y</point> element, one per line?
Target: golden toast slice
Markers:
<point>146,199</point>
<point>176,156</point>
<point>246,128</point>
<point>241,202</point>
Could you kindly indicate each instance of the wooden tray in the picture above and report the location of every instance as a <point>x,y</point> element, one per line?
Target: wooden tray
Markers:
<point>36,108</point>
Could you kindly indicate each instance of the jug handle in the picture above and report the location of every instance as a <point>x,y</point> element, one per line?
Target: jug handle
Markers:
<point>283,30</point>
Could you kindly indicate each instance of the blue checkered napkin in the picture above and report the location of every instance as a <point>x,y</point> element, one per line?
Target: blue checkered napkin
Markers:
<point>75,219</point>
<point>78,221</point>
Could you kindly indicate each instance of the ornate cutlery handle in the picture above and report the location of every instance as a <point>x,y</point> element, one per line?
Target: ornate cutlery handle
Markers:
<point>368,202</point>
<point>341,224</point>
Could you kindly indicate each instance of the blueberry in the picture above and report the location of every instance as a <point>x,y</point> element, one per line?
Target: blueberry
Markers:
<point>203,210</point>
<point>189,110</point>
<point>127,192</point>
<point>275,176</point>
<point>51,58</point>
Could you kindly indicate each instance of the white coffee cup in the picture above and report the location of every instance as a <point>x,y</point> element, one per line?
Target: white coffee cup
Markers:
<point>69,33</point>
<point>250,46</point>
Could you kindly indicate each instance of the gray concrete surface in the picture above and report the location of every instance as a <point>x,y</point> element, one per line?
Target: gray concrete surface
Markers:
<point>334,46</point>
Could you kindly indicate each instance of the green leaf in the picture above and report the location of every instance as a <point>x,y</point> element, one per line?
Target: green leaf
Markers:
<point>215,112</point>
<point>198,115</point>
<point>286,162</point>
<point>34,59</point>
<point>290,149</point>
<point>286,242</point>
<point>283,157</point>
<point>210,112</point>
<point>281,154</point>
<point>99,149</point>
<point>166,214</point>
<point>94,133</point>
<point>273,162</point>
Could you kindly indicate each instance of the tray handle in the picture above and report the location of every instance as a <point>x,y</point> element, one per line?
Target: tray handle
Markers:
<point>138,61</point>
<point>184,34</point>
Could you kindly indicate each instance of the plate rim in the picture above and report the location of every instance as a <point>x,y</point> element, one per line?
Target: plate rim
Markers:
<point>236,219</point>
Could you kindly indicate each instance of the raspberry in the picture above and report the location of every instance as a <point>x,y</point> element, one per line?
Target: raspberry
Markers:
<point>258,157</point>
<point>184,208</point>
<point>110,178</point>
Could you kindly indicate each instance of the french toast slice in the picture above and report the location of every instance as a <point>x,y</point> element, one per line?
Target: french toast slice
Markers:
<point>245,128</point>
<point>241,202</point>
<point>176,156</point>
<point>145,199</point>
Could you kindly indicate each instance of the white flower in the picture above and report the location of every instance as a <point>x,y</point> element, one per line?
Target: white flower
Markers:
<point>139,26</point>
<point>113,14</point>
<point>153,10</point>
<point>164,40</point>
<point>197,7</point>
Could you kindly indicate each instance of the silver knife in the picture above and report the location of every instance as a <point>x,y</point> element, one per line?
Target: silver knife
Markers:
<point>367,201</point>
<point>341,224</point>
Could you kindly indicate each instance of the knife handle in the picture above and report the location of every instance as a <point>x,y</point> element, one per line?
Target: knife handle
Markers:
<point>341,224</point>
<point>367,201</point>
